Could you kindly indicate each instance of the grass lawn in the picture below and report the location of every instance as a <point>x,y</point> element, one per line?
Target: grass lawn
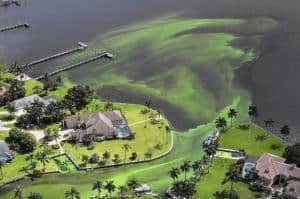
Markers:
<point>212,182</point>
<point>145,138</point>
<point>255,141</point>
<point>30,84</point>
<point>12,169</point>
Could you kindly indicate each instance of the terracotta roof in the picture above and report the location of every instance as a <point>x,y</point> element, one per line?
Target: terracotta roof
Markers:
<point>269,166</point>
<point>293,188</point>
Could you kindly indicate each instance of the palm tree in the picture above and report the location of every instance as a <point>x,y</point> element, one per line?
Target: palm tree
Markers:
<point>18,194</point>
<point>148,104</point>
<point>30,157</point>
<point>232,176</point>
<point>126,148</point>
<point>11,109</point>
<point>185,167</point>
<point>43,158</point>
<point>84,159</point>
<point>197,166</point>
<point>98,186</point>
<point>269,123</point>
<point>132,184</point>
<point>106,156</point>
<point>221,123</point>
<point>148,155</point>
<point>232,114</point>
<point>174,173</point>
<point>122,189</point>
<point>285,130</point>
<point>110,187</point>
<point>56,135</point>
<point>72,194</point>
<point>1,166</point>
<point>35,195</point>
<point>252,112</point>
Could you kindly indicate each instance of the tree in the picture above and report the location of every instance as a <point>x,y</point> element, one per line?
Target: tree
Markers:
<point>2,163</point>
<point>252,112</point>
<point>108,106</point>
<point>292,154</point>
<point>197,167</point>
<point>132,184</point>
<point>98,186</point>
<point>56,135</point>
<point>11,109</point>
<point>20,141</point>
<point>183,189</point>
<point>110,187</point>
<point>122,189</point>
<point>84,159</point>
<point>174,173</point>
<point>269,123</point>
<point>35,195</point>
<point>18,193</point>
<point>72,194</point>
<point>16,91</point>
<point>232,176</point>
<point>30,157</point>
<point>232,114</point>
<point>148,155</point>
<point>185,167</point>
<point>148,104</point>
<point>125,148</point>
<point>78,97</point>
<point>106,156</point>
<point>285,130</point>
<point>133,156</point>
<point>116,159</point>
<point>221,123</point>
<point>54,112</point>
<point>43,158</point>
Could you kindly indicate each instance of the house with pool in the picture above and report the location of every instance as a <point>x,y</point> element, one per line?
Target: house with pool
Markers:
<point>277,175</point>
<point>5,153</point>
<point>98,125</point>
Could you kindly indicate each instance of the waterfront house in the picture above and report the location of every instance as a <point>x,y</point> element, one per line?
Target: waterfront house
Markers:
<point>21,103</point>
<point>278,175</point>
<point>101,125</point>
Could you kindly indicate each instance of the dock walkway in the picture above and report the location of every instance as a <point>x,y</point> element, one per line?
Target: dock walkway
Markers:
<point>7,28</point>
<point>91,59</point>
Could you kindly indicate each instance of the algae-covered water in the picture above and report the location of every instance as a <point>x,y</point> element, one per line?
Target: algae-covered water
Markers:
<point>193,59</point>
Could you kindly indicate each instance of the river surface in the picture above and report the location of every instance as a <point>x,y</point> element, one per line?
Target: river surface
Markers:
<point>55,25</point>
<point>271,82</point>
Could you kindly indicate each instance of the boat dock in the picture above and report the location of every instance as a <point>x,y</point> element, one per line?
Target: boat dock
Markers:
<point>81,46</point>
<point>6,3</point>
<point>91,59</point>
<point>23,25</point>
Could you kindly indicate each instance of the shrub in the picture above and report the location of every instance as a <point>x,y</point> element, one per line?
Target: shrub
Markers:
<point>20,141</point>
<point>55,146</point>
<point>94,158</point>
<point>145,111</point>
<point>91,146</point>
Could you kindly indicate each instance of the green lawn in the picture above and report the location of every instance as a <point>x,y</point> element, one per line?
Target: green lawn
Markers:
<point>212,182</point>
<point>12,169</point>
<point>255,141</point>
<point>145,138</point>
<point>30,84</point>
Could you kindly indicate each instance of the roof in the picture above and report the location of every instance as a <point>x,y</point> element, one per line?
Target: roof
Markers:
<point>97,122</point>
<point>269,166</point>
<point>3,147</point>
<point>293,188</point>
<point>27,101</point>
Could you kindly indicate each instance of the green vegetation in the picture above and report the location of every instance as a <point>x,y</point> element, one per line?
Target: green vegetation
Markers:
<point>255,141</point>
<point>154,138</point>
<point>212,182</point>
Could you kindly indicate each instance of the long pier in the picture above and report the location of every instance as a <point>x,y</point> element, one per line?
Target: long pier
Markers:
<point>25,25</point>
<point>91,59</point>
<point>81,46</point>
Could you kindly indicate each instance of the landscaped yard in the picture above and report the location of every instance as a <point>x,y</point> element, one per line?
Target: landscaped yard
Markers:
<point>153,138</point>
<point>255,141</point>
<point>12,169</point>
<point>212,182</point>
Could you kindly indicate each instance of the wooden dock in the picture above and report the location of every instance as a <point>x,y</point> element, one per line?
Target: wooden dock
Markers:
<point>23,25</point>
<point>91,59</point>
<point>81,46</point>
